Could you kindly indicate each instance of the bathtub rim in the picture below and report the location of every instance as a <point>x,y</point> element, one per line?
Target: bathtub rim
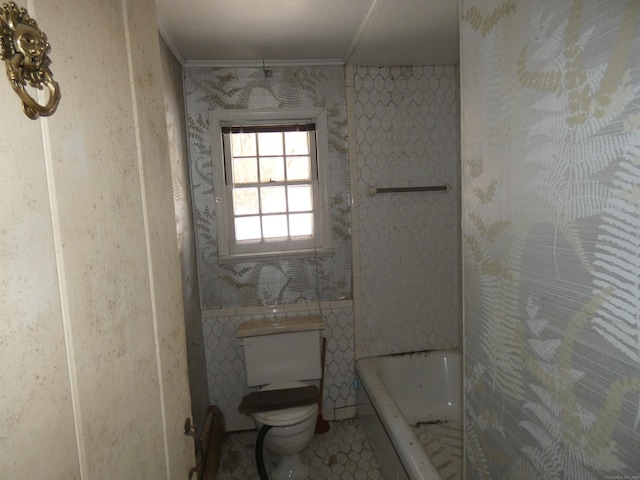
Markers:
<point>408,448</point>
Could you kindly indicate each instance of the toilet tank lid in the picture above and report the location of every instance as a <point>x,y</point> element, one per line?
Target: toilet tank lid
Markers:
<point>267,326</point>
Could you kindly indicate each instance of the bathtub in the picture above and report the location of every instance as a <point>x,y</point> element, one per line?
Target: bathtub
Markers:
<point>410,408</point>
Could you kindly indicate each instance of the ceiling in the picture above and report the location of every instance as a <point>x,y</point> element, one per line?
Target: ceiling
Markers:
<point>354,32</point>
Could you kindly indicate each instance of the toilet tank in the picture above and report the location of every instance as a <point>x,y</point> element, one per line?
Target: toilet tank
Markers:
<point>281,349</point>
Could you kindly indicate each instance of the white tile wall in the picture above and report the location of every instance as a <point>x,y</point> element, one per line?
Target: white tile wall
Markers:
<point>407,134</point>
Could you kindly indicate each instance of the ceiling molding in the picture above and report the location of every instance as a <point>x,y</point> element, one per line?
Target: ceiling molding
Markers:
<point>366,21</point>
<point>170,43</point>
<point>262,64</point>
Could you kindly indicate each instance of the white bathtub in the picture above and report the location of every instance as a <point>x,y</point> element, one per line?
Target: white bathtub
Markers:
<point>409,405</point>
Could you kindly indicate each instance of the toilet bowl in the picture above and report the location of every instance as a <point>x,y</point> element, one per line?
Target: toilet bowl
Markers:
<point>292,430</point>
<point>282,353</point>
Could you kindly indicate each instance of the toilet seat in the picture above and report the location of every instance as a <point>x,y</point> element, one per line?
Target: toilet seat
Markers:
<point>285,416</point>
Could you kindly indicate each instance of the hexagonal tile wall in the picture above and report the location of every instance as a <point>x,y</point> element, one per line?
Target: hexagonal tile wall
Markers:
<point>407,134</point>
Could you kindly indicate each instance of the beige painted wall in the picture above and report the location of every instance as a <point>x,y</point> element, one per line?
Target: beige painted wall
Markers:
<point>92,346</point>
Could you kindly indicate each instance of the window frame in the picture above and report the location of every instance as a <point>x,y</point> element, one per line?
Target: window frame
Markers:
<point>230,250</point>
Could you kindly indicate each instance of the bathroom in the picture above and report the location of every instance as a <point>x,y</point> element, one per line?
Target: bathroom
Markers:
<point>394,283</point>
<point>388,127</point>
<point>407,116</point>
<point>390,228</point>
<point>400,127</point>
<point>528,263</point>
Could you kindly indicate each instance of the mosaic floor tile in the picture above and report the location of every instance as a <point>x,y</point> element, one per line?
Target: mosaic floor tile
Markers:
<point>443,444</point>
<point>342,454</point>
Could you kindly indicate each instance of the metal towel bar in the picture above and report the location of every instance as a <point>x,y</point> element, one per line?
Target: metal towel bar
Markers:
<point>371,191</point>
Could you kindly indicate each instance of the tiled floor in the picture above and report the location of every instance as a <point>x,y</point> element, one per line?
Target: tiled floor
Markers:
<point>443,443</point>
<point>341,453</point>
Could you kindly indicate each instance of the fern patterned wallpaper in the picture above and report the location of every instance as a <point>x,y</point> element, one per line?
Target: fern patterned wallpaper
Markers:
<point>551,238</point>
<point>174,108</point>
<point>296,280</point>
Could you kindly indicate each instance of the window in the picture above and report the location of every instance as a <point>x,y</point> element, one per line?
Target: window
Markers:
<point>270,183</point>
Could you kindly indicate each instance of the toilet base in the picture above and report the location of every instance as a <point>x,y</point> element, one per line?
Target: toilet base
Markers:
<point>290,467</point>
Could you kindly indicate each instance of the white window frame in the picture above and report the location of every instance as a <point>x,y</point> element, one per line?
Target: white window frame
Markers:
<point>228,249</point>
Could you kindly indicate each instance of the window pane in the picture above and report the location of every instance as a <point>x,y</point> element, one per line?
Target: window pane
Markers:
<point>270,143</point>
<point>273,200</point>
<point>301,224</point>
<point>296,143</point>
<point>243,144</point>
<point>300,198</point>
<point>245,201</point>
<point>271,169</point>
<point>248,228</point>
<point>245,170</point>
<point>298,168</point>
<point>275,226</point>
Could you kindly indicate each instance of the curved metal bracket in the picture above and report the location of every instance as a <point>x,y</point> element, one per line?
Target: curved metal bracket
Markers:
<point>25,51</point>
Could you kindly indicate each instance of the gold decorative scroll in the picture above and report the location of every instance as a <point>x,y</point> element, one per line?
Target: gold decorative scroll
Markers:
<point>24,48</point>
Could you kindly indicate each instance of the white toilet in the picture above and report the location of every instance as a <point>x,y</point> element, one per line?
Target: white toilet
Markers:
<point>279,354</point>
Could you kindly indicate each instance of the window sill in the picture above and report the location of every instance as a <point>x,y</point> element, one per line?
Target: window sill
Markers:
<point>252,257</point>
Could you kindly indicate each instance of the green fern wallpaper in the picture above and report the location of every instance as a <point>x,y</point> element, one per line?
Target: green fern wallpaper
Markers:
<point>551,238</point>
<point>273,282</point>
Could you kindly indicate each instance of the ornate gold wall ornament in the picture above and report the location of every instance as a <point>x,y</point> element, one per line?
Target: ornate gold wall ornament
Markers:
<point>24,50</point>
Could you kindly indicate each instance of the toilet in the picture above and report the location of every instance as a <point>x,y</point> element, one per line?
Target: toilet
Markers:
<point>281,354</point>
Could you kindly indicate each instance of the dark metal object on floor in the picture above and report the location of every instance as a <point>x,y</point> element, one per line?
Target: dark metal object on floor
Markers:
<point>208,443</point>
<point>262,471</point>
<point>322,426</point>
